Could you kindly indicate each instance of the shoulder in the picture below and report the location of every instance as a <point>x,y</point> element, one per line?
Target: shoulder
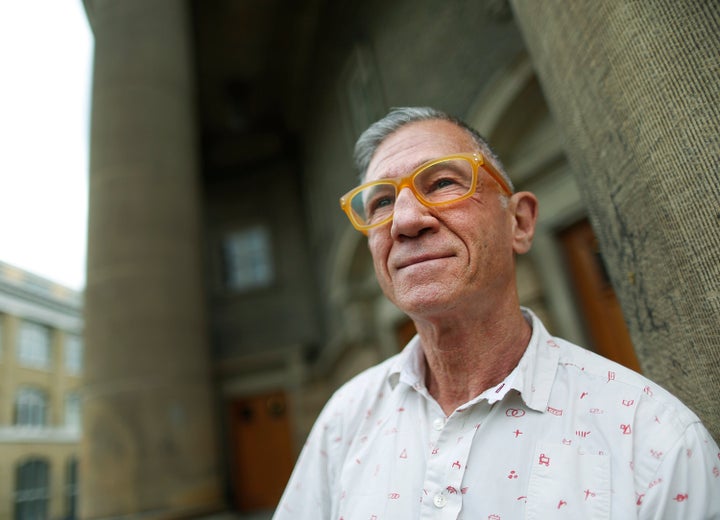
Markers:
<point>353,399</point>
<point>365,387</point>
<point>640,406</point>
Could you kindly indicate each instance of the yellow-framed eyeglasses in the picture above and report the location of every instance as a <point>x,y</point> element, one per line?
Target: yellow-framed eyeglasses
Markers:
<point>438,182</point>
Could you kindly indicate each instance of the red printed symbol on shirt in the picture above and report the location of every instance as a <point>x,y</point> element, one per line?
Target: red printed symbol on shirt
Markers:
<point>544,460</point>
<point>611,375</point>
<point>403,454</point>
<point>394,496</point>
<point>451,490</point>
<point>561,503</point>
<point>494,517</point>
<point>589,494</point>
<point>625,428</point>
<point>655,483</point>
<point>517,432</point>
<point>681,498</point>
<point>513,474</point>
<point>628,402</point>
<point>514,412</point>
<point>554,411</point>
<point>456,464</point>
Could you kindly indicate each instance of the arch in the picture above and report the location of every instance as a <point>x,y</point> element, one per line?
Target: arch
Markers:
<point>511,112</point>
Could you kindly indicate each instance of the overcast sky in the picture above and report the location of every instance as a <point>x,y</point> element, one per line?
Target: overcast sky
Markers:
<point>45,64</point>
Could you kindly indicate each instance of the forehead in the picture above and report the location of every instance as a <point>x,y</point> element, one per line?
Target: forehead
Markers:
<point>416,143</point>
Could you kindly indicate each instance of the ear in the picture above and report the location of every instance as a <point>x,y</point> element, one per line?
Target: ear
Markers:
<point>523,207</point>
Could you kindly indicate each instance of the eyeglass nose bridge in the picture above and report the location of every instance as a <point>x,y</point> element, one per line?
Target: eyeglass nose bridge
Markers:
<point>409,183</point>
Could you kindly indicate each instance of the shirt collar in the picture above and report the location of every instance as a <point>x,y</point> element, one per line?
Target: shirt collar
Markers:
<point>532,377</point>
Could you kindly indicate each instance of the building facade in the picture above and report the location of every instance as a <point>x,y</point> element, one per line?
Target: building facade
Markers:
<point>227,294</point>
<point>41,349</point>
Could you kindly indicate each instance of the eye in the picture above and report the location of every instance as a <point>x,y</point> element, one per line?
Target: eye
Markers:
<point>445,180</point>
<point>379,203</point>
<point>444,183</point>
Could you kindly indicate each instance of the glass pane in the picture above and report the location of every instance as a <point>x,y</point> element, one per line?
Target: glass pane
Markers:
<point>247,258</point>
<point>445,181</point>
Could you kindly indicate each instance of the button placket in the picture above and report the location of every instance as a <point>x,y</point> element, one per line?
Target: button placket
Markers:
<point>450,454</point>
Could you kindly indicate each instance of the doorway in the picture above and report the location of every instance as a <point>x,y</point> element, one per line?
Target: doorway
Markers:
<point>262,451</point>
<point>596,297</point>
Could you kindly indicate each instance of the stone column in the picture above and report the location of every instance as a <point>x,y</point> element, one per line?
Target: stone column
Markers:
<point>633,87</point>
<point>149,441</point>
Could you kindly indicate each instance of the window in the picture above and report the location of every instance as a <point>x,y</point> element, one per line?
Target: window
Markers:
<point>71,489</point>
<point>247,258</point>
<point>73,354</point>
<point>73,412</point>
<point>32,490</point>
<point>30,407</point>
<point>34,345</point>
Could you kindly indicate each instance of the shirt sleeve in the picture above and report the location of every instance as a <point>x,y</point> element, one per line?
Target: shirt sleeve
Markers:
<point>687,483</point>
<point>311,489</point>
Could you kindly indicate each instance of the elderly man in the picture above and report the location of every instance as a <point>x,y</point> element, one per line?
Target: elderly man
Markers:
<point>484,414</point>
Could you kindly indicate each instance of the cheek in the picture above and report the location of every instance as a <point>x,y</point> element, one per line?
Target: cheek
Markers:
<point>379,252</point>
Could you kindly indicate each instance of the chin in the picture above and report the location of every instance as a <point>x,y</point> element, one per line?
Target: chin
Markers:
<point>422,302</point>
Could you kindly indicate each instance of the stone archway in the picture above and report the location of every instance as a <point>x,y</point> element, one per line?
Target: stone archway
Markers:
<point>511,113</point>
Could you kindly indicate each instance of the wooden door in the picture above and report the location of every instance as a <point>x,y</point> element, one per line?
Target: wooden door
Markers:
<point>596,297</point>
<point>261,445</point>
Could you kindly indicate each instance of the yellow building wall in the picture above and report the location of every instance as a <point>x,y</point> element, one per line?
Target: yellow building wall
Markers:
<point>54,444</point>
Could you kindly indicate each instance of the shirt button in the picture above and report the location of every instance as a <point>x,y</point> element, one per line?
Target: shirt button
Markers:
<point>439,501</point>
<point>438,424</point>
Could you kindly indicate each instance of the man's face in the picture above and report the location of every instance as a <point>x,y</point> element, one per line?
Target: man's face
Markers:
<point>430,261</point>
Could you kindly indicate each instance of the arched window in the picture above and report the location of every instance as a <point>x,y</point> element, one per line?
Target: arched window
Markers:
<point>32,490</point>
<point>30,407</point>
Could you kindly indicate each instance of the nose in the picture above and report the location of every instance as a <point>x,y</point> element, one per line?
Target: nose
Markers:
<point>411,217</point>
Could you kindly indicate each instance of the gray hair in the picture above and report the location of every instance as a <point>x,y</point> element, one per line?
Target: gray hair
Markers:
<point>376,133</point>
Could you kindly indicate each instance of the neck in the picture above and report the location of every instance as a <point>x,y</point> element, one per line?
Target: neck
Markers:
<point>466,357</point>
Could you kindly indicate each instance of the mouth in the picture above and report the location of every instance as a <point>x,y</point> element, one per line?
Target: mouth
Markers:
<point>421,259</point>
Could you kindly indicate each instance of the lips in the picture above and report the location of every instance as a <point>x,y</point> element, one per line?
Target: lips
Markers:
<point>418,259</point>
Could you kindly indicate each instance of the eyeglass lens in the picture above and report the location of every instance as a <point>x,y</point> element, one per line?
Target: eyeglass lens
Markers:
<point>438,183</point>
